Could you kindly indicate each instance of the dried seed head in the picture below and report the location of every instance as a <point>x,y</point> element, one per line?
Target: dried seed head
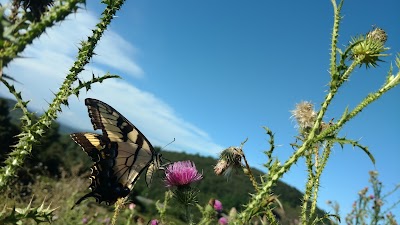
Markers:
<point>230,159</point>
<point>378,34</point>
<point>304,114</point>
<point>220,167</point>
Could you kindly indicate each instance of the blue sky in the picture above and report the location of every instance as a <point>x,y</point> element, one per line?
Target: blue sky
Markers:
<point>212,73</point>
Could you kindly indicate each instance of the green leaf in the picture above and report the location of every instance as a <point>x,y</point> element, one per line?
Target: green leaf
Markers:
<point>343,141</point>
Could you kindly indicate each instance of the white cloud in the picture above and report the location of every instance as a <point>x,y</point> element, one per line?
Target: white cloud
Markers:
<point>45,64</point>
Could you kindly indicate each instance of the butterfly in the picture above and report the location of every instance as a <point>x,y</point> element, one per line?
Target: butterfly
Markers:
<point>120,155</point>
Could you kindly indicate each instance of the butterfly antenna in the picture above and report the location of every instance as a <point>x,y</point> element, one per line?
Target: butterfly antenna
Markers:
<point>168,144</point>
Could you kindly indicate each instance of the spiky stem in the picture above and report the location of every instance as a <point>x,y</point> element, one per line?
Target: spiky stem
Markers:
<point>57,13</point>
<point>31,134</point>
<point>250,173</point>
<point>335,35</point>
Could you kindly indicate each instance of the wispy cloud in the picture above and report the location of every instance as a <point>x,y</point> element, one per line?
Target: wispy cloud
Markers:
<point>44,65</point>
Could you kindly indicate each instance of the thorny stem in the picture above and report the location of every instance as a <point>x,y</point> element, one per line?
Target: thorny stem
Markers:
<point>319,169</point>
<point>56,14</point>
<point>335,34</point>
<point>366,101</point>
<point>118,205</point>
<point>309,185</point>
<point>250,173</point>
<point>162,209</point>
<point>32,133</point>
<point>254,206</point>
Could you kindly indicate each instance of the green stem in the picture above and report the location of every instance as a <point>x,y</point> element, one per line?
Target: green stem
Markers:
<point>57,13</point>
<point>317,177</point>
<point>335,35</point>
<point>117,208</point>
<point>309,187</point>
<point>365,102</point>
<point>188,215</point>
<point>31,133</point>
<point>162,210</point>
<point>255,204</point>
<point>250,173</point>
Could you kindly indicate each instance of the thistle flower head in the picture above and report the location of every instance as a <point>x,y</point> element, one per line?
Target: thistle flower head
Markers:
<point>154,222</point>
<point>223,221</point>
<point>217,205</point>
<point>37,7</point>
<point>304,114</point>
<point>367,49</point>
<point>181,173</point>
<point>233,213</point>
<point>363,191</point>
<point>229,160</point>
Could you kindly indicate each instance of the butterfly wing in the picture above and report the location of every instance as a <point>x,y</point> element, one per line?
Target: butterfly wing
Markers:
<point>114,125</point>
<point>120,155</point>
<point>103,182</point>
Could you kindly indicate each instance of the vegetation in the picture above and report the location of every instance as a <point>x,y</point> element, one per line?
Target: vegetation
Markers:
<point>59,161</point>
<point>49,166</point>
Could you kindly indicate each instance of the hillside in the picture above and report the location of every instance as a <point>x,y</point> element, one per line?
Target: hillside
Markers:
<point>59,154</point>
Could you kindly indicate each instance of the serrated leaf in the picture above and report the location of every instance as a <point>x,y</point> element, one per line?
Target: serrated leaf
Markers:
<point>343,141</point>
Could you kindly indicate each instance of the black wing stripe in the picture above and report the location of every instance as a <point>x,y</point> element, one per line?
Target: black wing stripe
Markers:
<point>90,143</point>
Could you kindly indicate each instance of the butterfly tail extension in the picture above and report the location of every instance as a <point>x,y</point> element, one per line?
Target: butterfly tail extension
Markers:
<point>88,195</point>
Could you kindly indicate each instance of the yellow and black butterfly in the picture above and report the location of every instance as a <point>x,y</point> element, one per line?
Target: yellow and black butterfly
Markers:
<point>120,154</point>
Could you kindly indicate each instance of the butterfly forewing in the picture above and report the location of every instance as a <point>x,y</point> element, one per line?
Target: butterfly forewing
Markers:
<point>114,125</point>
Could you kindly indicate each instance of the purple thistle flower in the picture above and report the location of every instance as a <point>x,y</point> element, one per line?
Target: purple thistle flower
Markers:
<point>181,174</point>
<point>223,221</point>
<point>217,205</point>
<point>85,220</point>
<point>371,197</point>
<point>154,222</point>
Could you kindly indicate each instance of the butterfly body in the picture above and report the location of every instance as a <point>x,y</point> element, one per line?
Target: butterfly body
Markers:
<point>120,154</point>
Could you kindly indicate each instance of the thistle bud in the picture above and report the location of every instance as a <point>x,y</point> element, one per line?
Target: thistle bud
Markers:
<point>367,49</point>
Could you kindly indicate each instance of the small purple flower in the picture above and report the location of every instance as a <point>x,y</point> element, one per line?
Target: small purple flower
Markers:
<point>106,220</point>
<point>371,197</point>
<point>132,206</point>
<point>223,221</point>
<point>154,222</point>
<point>85,220</point>
<point>181,174</point>
<point>217,205</point>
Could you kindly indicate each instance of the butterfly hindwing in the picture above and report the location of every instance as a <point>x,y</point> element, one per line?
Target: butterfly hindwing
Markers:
<point>120,154</point>
<point>90,143</point>
<point>104,185</point>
